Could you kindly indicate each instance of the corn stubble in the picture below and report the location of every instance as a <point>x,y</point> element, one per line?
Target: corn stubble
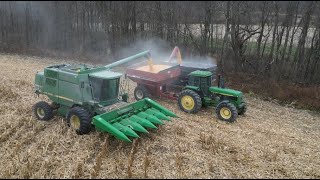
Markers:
<point>271,141</point>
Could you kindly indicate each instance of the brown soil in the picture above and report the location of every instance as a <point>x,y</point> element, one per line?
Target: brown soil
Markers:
<point>270,141</point>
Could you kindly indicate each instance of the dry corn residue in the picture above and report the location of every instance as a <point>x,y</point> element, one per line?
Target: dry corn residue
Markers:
<point>270,141</point>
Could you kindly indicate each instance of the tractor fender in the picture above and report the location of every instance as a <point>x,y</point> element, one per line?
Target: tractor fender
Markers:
<point>225,101</point>
<point>194,88</point>
<point>225,91</point>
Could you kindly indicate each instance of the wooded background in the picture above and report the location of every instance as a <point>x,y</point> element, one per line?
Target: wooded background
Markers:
<point>272,39</point>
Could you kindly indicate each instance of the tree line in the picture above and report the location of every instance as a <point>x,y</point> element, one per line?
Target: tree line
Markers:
<point>272,39</point>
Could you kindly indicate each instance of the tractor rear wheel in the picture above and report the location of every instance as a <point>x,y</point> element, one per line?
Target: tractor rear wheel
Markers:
<point>141,92</point>
<point>226,111</point>
<point>42,111</point>
<point>189,101</point>
<point>79,119</point>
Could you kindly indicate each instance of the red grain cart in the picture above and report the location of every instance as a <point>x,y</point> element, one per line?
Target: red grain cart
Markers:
<point>157,82</point>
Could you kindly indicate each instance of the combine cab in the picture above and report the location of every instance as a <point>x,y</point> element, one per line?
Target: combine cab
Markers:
<point>89,96</point>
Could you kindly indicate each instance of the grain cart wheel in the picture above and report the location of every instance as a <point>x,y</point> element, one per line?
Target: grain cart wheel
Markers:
<point>226,111</point>
<point>243,109</point>
<point>79,119</point>
<point>189,101</point>
<point>42,111</point>
<point>140,92</point>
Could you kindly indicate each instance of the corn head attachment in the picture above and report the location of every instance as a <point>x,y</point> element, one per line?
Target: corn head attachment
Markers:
<point>134,118</point>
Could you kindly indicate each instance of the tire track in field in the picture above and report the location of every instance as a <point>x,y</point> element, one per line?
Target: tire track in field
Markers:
<point>9,130</point>
<point>20,136</point>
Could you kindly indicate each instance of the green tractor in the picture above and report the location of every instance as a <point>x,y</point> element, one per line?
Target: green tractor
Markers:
<point>89,97</point>
<point>199,92</point>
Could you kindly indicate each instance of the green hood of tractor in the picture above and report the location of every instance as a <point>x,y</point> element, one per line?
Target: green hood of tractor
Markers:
<point>227,92</point>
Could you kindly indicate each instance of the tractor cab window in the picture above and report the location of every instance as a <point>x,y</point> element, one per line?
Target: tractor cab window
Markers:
<point>104,89</point>
<point>194,81</point>
<point>200,81</point>
<point>205,84</point>
<point>205,81</point>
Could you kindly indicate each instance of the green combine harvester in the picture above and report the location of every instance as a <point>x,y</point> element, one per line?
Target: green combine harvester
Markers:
<point>89,97</point>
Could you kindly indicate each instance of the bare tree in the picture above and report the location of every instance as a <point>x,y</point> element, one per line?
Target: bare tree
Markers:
<point>259,37</point>
<point>300,53</point>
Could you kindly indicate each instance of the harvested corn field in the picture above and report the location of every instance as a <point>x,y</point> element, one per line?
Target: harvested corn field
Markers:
<point>270,141</point>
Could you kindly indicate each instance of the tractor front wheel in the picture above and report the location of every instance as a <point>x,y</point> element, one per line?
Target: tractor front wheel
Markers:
<point>189,101</point>
<point>226,111</point>
<point>243,109</point>
<point>42,111</point>
<point>140,92</point>
<point>79,119</point>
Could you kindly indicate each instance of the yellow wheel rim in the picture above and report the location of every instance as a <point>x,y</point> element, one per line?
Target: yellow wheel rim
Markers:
<point>225,113</point>
<point>40,112</point>
<point>75,122</point>
<point>187,102</point>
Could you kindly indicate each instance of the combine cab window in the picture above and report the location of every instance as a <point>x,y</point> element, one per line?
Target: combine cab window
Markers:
<point>104,89</point>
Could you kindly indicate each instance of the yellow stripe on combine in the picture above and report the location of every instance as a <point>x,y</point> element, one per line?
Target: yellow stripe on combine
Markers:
<point>227,95</point>
<point>65,98</point>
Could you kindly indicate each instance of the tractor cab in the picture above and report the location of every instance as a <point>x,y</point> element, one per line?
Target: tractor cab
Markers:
<point>199,92</point>
<point>202,80</point>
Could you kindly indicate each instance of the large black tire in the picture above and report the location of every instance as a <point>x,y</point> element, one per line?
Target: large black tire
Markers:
<point>243,109</point>
<point>140,92</point>
<point>189,101</point>
<point>79,119</point>
<point>226,111</point>
<point>42,111</point>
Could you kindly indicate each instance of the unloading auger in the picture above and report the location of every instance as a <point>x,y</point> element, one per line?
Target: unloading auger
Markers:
<point>89,97</point>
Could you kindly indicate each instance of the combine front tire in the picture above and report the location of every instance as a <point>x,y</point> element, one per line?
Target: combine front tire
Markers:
<point>189,101</point>
<point>226,111</point>
<point>42,111</point>
<point>140,92</point>
<point>79,119</point>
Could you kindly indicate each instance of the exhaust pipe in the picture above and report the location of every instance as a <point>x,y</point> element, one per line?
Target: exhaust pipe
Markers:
<point>220,81</point>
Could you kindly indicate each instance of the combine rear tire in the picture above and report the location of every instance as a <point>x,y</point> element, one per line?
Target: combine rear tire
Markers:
<point>79,119</point>
<point>189,101</point>
<point>226,111</point>
<point>140,92</point>
<point>42,111</point>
